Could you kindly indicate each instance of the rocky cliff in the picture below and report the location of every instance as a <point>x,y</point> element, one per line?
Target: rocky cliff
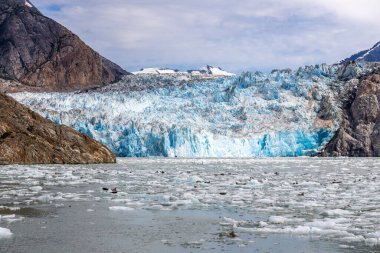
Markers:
<point>27,138</point>
<point>359,133</point>
<point>45,56</point>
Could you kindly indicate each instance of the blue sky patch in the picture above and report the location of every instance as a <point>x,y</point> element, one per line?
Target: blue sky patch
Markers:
<point>54,7</point>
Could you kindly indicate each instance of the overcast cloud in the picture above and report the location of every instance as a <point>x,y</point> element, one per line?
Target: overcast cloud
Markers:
<point>236,35</point>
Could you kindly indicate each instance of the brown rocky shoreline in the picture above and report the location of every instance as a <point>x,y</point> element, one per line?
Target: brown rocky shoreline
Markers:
<point>28,138</point>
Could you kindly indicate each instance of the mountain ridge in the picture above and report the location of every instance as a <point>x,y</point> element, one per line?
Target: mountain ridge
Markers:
<point>46,56</point>
<point>38,54</point>
<point>207,71</point>
<point>369,55</point>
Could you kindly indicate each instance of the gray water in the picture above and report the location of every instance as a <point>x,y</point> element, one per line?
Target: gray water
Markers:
<point>193,205</point>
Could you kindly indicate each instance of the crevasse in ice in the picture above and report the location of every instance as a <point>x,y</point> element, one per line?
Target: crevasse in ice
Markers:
<point>251,115</point>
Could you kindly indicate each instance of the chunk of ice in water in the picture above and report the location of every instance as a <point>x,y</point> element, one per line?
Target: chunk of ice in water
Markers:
<point>5,233</point>
<point>277,219</point>
<point>121,208</point>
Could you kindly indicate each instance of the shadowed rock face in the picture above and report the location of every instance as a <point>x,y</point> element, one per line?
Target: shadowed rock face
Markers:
<point>359,134</point>
<point>369,55</point>
<point>45,56</point>
<point>27,138</point>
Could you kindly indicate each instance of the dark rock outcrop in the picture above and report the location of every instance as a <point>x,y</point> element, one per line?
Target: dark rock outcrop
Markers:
<point>359,133</point>
<point>28,138</point>
<point>45,56</point>
<point>369,55</point>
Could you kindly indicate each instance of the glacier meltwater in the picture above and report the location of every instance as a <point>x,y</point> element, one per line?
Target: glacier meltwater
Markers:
<point>283,113</point>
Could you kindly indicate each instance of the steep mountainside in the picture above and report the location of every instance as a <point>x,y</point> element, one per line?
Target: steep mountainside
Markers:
<point>27,138</point>
<point>370,55</point>
<point>359,133</point>
<point>45,56</point>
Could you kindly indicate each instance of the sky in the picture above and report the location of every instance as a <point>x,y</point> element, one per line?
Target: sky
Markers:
<point>239,35</point>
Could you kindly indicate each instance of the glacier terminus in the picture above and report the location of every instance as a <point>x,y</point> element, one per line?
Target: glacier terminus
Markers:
<point>285,113</point>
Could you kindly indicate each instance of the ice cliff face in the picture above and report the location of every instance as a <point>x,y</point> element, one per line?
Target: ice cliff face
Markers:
<point>284,113</point>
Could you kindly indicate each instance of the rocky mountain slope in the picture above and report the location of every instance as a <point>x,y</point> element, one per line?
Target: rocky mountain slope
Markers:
<point>369,55</point>
<point>27,138</point>
<point>45,56</point>
<point>359,133</point>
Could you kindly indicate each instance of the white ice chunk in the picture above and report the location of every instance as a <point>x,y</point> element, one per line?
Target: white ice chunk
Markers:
<point>277,219</point>
<point>336,212</point>
<point>5,233</point>
<point>121,208</point>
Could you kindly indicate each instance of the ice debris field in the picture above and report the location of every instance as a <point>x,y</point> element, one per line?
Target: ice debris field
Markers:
<point>327,199</point>
<point>283,113</point>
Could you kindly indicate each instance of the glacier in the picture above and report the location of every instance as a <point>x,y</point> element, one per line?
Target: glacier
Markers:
<point>284,113</point>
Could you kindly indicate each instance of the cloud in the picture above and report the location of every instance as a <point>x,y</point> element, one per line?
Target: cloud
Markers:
<point>365,12</point>
<point>236,35</point>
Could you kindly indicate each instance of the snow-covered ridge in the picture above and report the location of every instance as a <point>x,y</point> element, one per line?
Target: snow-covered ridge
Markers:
<point>369,55</point>
<point>155,71</point>
<point>27,3</point>
<point>208,70</point>
<point>375,47</point>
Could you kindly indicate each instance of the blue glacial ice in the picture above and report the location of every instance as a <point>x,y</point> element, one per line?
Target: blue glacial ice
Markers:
<point>251,115</point>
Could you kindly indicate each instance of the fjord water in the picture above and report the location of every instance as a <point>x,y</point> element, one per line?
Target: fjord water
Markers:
<point>193,205</point>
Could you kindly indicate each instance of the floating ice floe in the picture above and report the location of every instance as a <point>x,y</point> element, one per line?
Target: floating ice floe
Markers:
<point>5,233</point>
<point>292,196</point>
<point>121,208</point>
